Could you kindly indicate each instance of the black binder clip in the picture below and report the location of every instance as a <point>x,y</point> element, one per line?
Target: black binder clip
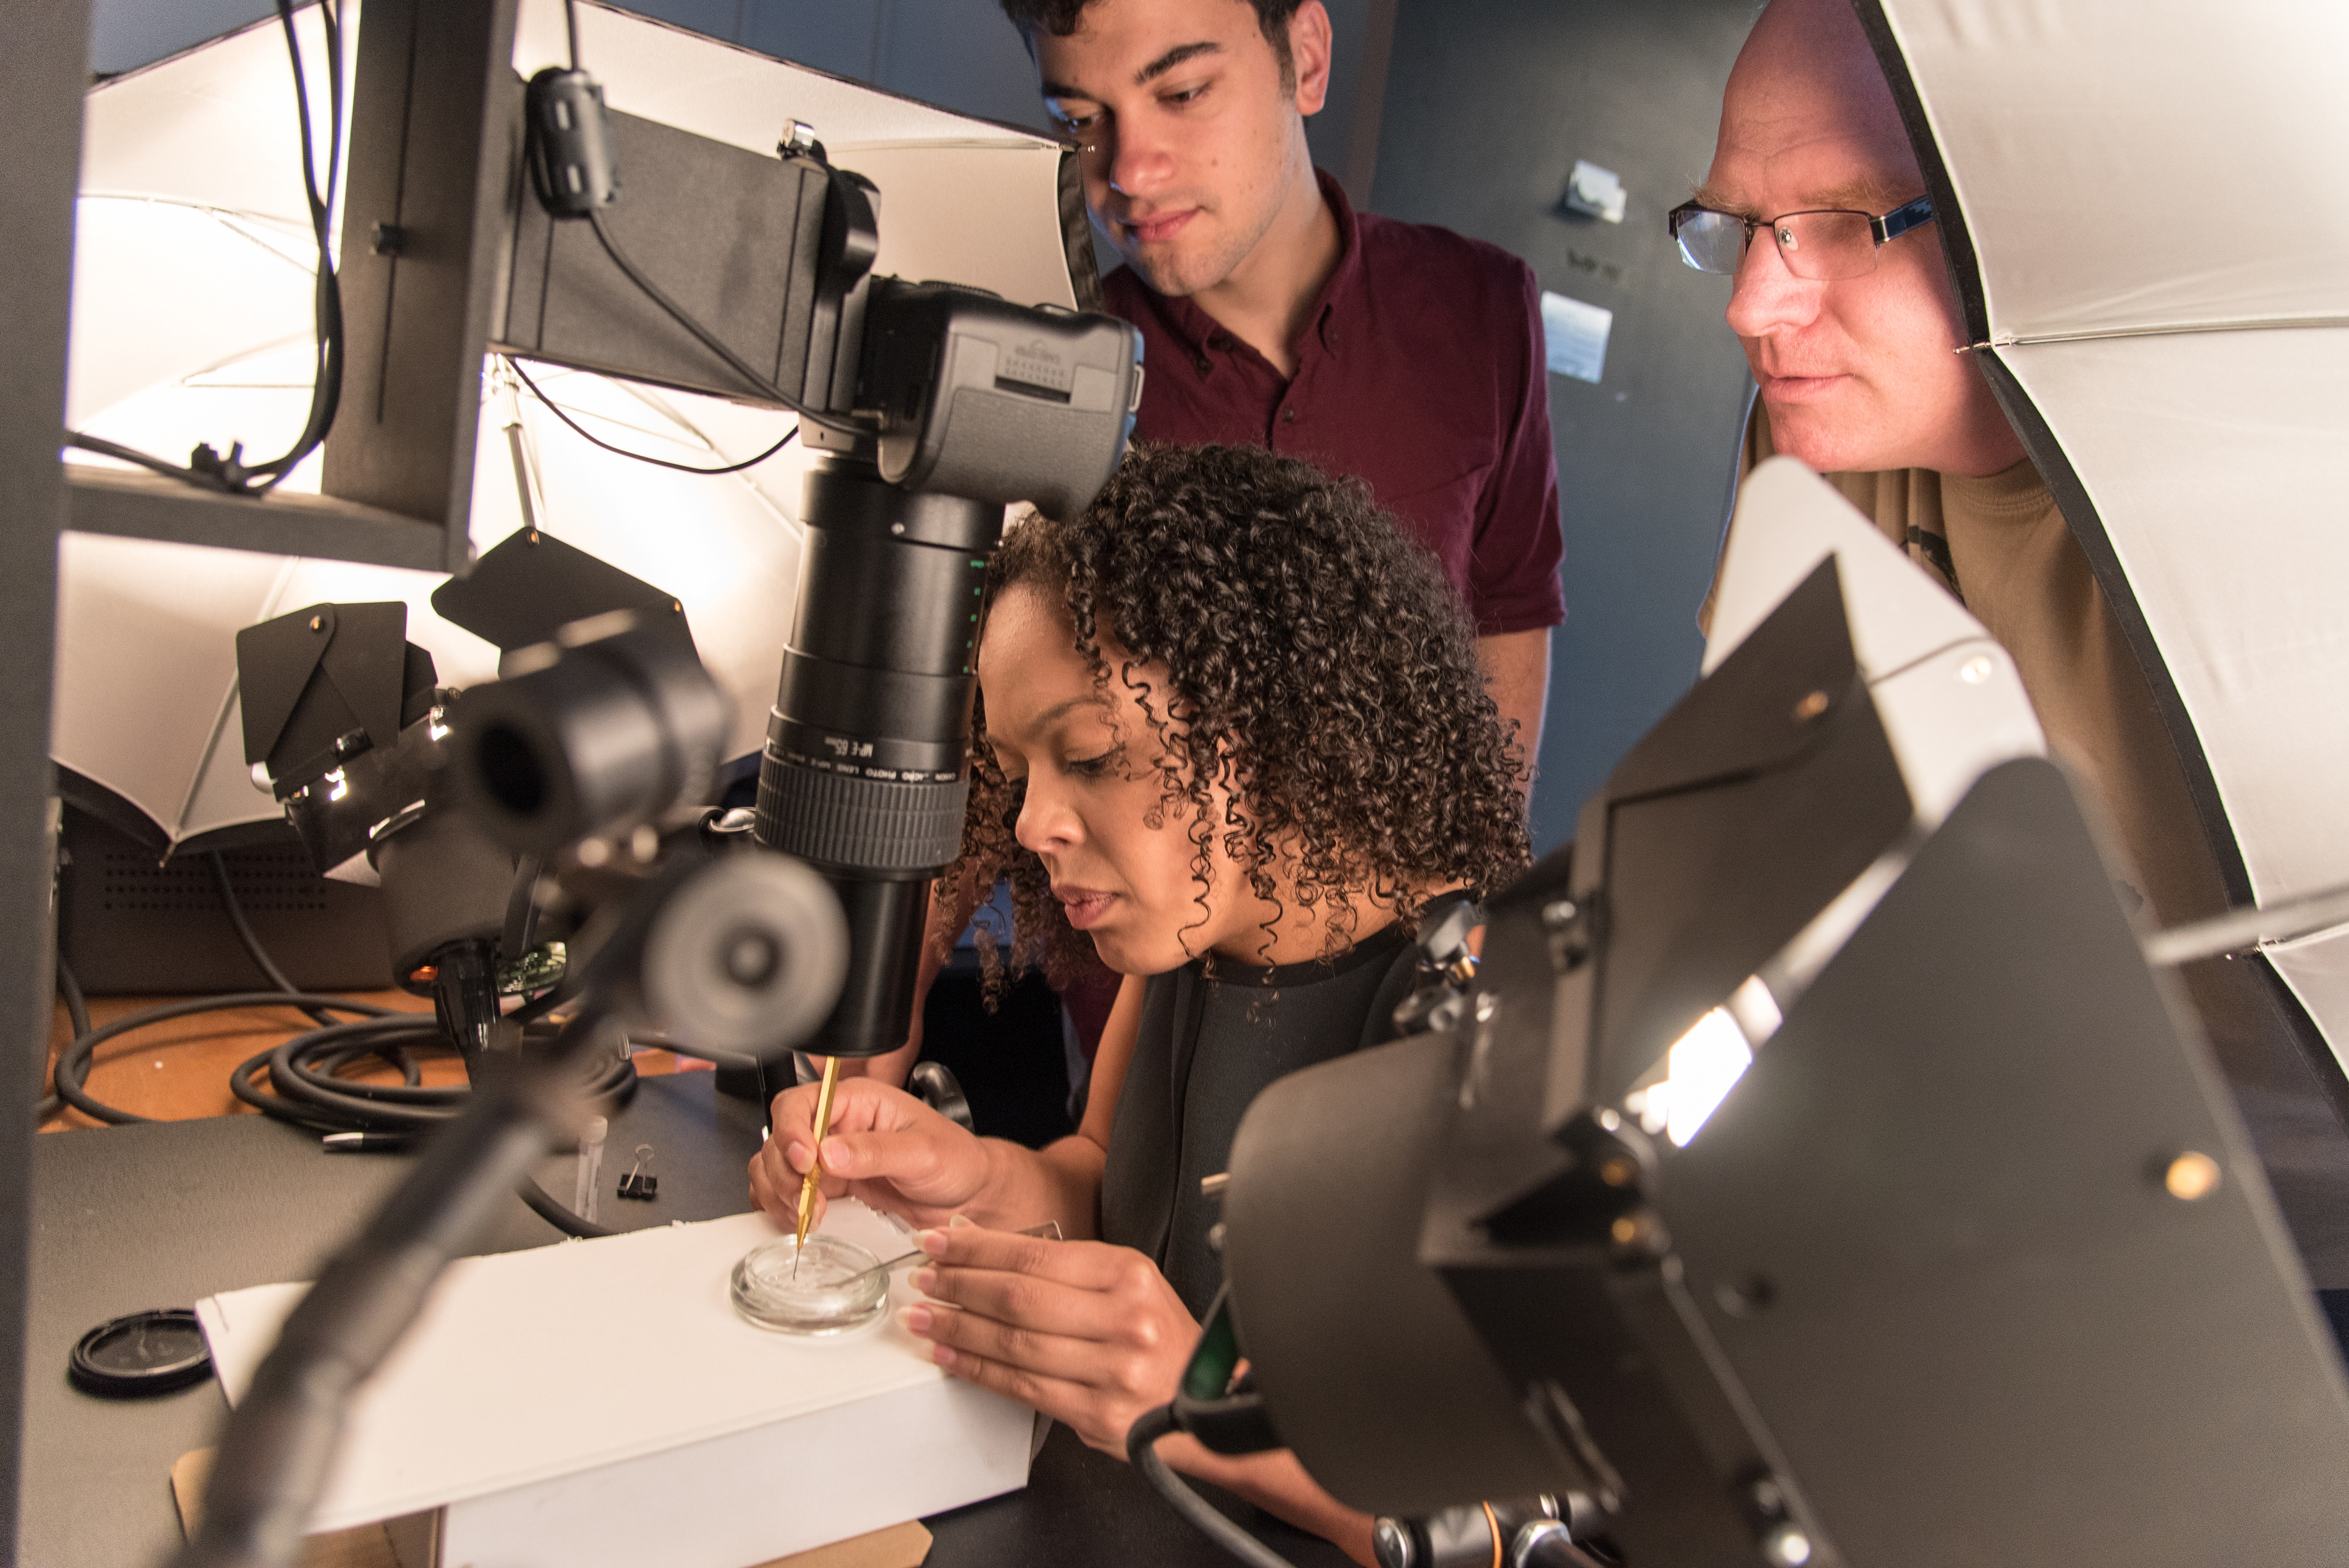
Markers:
<point>640,1183</point>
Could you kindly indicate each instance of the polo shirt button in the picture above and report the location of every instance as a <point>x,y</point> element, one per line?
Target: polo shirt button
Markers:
<point>1289,416</point>
<point>1203,365</point>
<point>1220,340</point>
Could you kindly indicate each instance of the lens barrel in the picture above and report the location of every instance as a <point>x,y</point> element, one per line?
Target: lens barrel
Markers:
<point>617,721</point>
<point>863,775</point>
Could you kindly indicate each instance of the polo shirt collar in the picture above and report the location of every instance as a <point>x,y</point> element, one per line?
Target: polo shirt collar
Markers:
<point>1346,277</point>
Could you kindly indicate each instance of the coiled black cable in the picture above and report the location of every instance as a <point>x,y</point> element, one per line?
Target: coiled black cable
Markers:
<point>303,1090</point>
<point>302,1072</point>
<point>385,1031</point>
<point>304,1086</point>
<point>72,1072</point>
<point>308,1090</point>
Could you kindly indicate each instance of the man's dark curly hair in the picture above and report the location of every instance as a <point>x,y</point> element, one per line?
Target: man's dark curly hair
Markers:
<point>1058,18</point>
<point>1319,665</point>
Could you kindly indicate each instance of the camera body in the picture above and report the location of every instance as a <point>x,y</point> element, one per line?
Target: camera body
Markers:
<point>937,407</point>
<point>979,397</point>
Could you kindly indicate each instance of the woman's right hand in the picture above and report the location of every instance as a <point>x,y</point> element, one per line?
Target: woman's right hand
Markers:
<point>886,1148</point>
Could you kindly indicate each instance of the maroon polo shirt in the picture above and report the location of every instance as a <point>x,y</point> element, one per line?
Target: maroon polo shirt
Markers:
<point>1420,370</point>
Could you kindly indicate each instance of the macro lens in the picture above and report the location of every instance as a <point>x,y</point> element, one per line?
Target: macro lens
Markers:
<point>862,773</point>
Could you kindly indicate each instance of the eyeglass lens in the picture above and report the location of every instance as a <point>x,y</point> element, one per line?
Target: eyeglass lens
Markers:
<point>1817,246</point>
<point>1711,242</point>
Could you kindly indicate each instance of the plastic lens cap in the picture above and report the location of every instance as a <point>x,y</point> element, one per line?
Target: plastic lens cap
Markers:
<point>143,1354</point>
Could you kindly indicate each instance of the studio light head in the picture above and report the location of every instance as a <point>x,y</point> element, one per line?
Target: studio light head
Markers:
<point>328,695</point>
<point>342,720</point>
<point>1791,1183</point>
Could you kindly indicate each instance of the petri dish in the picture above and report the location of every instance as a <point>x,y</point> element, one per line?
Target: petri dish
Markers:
<point>837,1287</point>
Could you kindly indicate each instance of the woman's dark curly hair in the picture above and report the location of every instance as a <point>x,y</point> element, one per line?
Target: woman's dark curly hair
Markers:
<point>1320,666</point>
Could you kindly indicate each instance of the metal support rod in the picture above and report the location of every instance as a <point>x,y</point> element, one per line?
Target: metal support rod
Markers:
<point>2245,930</point>
<point>44,66</point>
<point>282,1434</point>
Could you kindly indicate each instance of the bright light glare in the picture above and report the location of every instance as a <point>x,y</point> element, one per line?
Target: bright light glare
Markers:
<point>1705,1065</point>
<point>337,787</point>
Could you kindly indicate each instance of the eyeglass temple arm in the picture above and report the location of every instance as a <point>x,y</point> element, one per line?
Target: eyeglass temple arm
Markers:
<point>1900,220</point>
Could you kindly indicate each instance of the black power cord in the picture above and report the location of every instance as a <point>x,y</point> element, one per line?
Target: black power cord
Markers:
<point>545,1206</point>
<point>1142,1448</point>
<point>380,1031</point>
<point>306,1087</point>
<point>250,943</point>
<point>580,431</point>
<point>710,340</point>
<point>77,1014</point>
<point>305,1091</point>
<point>232,474</point>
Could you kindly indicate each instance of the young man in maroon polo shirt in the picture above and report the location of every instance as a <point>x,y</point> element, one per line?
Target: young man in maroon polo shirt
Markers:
<point>1273,314</point>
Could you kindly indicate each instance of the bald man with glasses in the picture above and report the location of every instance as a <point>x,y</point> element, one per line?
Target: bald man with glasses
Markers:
<point>1815,204</point>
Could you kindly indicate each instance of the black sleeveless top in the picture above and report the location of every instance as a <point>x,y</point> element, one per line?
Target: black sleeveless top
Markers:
<point>1207,1046</point>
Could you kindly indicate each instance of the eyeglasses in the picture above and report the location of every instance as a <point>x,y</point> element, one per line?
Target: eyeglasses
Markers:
<point>1820,247</point>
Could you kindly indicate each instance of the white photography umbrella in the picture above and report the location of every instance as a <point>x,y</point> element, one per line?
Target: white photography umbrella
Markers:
<point>2144,200</point>
<point>146,684</point>
<point>192,322</point>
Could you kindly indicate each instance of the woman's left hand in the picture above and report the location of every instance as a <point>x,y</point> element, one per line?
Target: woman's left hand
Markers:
<point>1087,1333</point>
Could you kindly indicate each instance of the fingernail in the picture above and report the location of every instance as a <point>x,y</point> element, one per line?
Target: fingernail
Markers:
<point>960,1221</point>
<point>935,1243</point>
<point>942,1355</point>
<point>916,1319</point>
<point>923,1279</point>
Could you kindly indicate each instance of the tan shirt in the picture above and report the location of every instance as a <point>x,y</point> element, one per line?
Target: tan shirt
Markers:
<point>2000,546</point>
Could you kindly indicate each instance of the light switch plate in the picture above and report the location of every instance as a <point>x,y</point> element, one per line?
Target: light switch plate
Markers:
<point>1597,192</point>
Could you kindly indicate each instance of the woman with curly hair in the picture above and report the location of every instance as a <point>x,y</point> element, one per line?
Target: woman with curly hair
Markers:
<point>1231,736</point>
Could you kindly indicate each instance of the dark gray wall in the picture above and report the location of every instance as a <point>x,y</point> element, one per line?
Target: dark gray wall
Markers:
<point>1488,104</point>
<point>127,34</point>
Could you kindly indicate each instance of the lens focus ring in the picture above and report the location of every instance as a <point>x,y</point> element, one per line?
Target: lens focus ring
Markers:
<point>870,824</point>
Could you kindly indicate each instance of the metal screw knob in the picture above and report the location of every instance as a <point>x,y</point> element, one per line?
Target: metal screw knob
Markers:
<point>2191,1177</point>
